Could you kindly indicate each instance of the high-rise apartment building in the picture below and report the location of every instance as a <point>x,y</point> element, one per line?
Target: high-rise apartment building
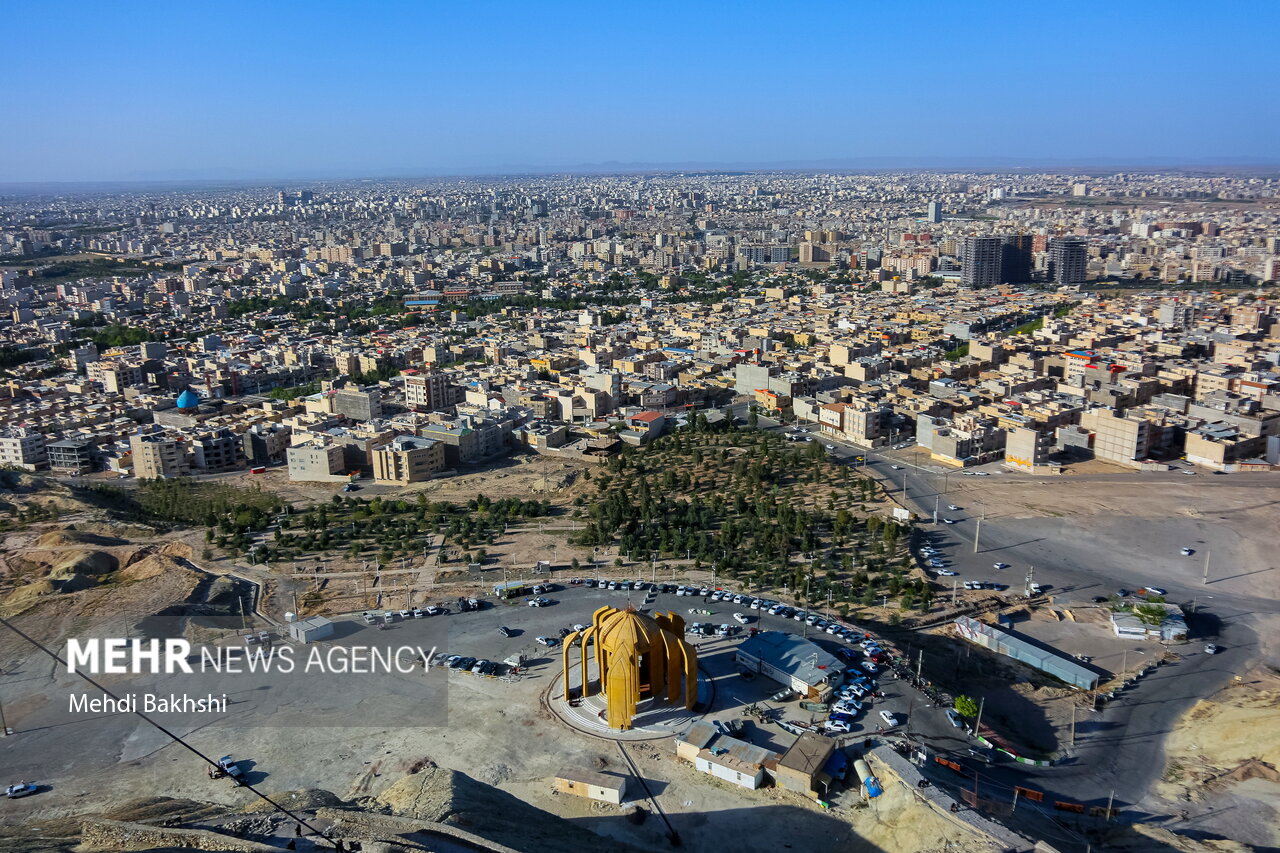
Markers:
<point>1068,260</point>
<point>935,212</point>
<point>980,261</point>
<point>1015,258</point>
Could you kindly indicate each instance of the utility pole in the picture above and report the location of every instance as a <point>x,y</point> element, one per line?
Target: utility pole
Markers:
<point>295,603</point>
<point>244,626</point>
<point>1111,799</point>
<point>977,533</point>
<point>1073,725</point>
<point>953,592</point>
<point>977,724</point>
<point>936,499</point>
<point>1205,579</point>
<point>920,666</point>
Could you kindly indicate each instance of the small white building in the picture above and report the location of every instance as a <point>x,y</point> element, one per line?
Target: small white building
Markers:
<point>606,787</point>
<point>734,761</point>
<point>311,630</point>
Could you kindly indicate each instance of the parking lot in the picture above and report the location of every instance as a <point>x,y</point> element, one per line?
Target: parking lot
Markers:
<point>478,634</point>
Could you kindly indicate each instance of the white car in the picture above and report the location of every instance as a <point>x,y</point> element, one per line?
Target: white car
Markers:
<point>868,666</point>
<point>853,691</point>
<point>1000,565</point>
<point>1189,472</point>
<point>1187,552</point>
<point>948,521</point>
<point>1155,590</point>
<point>547,641</point>
<point>982,473</point>
<point>741,618</point>
<point>896,467</point>
<point>889,719</point>
<point>847,706</point>
<point>953,507</point>
<point>954,718</point>
<point>836,727</point>
<point>22,789</point>
<point>947,573</point>
<point>1211,649</point>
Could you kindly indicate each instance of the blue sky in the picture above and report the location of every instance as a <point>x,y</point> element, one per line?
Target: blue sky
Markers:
<point>107,91</point>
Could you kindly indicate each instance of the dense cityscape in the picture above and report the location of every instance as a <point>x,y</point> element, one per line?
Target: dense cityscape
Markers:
<point>314,327</point>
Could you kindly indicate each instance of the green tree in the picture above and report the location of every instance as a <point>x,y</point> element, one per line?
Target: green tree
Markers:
<point>966,707</point>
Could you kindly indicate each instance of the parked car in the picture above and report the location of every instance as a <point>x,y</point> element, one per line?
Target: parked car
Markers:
<point>947,573</point>
<point>837,727</point>
<point>1187,552</point>
<point>848,706</point>
<point>948,521</point>
<point>1211,649</point>
<point>889,719</point>
<point>868,666</point>
<point>369,619</point>
<point>741,618</point>
<point>1155,590</point>
<point>953,507</point>
<point>954,717</point>
<point>547,641</point>
<point>504,630</point>
<point>1000,565</point>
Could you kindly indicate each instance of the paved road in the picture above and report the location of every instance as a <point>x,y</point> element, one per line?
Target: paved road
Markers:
<point>1121,747</point>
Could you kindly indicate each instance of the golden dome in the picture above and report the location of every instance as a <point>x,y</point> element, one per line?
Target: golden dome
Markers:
<point>629,630</point>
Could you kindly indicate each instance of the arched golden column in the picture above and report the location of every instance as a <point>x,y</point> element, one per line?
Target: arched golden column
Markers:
<point>637,657</point>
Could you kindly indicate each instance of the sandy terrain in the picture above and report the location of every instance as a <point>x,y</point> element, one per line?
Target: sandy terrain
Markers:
<point>1225,755</point>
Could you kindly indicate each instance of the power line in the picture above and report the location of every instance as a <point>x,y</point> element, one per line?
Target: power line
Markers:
<point>15,629</point>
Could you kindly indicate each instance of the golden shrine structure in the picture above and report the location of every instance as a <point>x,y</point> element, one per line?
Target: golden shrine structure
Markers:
<point>637,657</point>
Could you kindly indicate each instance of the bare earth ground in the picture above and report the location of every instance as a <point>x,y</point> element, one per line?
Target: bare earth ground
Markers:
<point>1223,762</point>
